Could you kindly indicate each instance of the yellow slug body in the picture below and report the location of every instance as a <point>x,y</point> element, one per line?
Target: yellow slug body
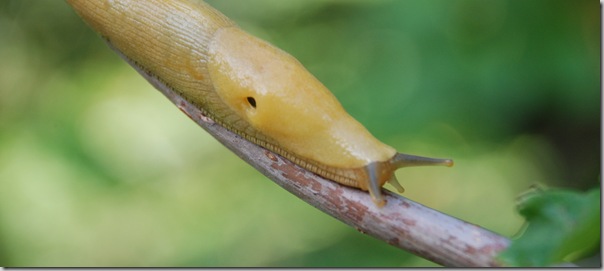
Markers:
<point>249,86</point>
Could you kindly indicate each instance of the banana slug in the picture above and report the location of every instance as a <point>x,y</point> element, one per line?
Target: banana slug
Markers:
<point>248,86</point>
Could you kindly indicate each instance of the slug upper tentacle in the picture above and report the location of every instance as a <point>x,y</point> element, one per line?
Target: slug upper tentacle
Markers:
<point>249,86</point>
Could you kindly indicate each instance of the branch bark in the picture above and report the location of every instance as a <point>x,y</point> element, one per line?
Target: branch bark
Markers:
<point>401,222</point>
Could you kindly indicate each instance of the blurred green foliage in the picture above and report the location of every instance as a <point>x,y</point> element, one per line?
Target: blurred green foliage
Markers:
<point>562,225</point>
<point>98,169</point>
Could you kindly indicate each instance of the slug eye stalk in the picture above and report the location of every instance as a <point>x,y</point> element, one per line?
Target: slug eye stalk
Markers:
<point>377,170</point>
<point>401,160</point>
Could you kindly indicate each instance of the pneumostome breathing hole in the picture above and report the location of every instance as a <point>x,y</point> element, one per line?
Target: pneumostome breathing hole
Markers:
<point>251,101</point>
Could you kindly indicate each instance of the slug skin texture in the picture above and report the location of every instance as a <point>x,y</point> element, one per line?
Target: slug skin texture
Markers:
<point>248,86</point>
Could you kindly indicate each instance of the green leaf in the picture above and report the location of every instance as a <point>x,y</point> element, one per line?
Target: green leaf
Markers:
<point>562,225</point>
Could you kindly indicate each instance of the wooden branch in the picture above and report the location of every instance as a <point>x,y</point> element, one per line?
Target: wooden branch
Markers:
<point>401,222</point>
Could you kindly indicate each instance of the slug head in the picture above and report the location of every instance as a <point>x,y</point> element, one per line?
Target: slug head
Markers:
<point>277,98</point>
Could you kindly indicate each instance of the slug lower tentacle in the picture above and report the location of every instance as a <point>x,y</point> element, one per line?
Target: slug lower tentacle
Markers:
<point>248,86</point>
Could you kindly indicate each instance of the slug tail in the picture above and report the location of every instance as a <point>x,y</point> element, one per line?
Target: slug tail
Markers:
<point>405,160</point>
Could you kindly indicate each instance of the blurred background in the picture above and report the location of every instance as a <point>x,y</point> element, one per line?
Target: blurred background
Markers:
<point>99,169</point>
